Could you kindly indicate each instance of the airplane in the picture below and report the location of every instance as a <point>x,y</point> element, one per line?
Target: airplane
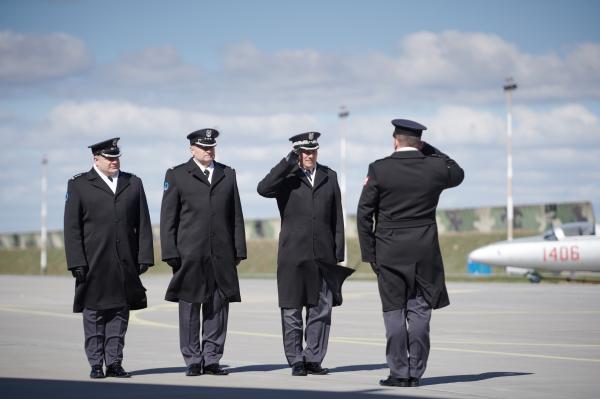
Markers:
<point>572,247</point>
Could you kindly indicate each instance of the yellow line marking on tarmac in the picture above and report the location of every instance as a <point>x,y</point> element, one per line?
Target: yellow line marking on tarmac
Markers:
<point>559,345</point>
<point>173,306</point>
<point>515,312</point>
<point>40,312</point>
<point>135,319</point>
<point>460,291</point>
<point>577,359</point>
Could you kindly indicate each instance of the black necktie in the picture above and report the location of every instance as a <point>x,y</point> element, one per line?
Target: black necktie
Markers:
<point>207,174</point>
<point>110,178</point>
<point>308,175</point>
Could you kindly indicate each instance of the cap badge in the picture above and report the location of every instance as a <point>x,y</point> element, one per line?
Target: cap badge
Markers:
<point>311,136</point>
<point>208,133</point>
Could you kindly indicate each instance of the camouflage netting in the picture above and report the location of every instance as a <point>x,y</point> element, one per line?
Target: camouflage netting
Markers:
<point>531,218</point>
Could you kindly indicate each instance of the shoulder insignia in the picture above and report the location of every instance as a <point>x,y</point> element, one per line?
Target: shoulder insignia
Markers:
<point>77,175</point>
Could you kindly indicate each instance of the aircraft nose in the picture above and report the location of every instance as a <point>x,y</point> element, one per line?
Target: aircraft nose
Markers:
<point>487,255</point>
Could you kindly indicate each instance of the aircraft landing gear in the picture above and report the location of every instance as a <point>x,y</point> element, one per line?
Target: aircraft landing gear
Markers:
<point>533,277</point>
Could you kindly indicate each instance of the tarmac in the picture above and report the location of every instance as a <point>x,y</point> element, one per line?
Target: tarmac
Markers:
<point>495,340</point>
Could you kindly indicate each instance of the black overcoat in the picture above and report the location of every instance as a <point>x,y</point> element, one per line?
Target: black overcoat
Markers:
<point>312,230</point>
<point>203,225</point>
<point>400,196</point>
<point>111,235</point>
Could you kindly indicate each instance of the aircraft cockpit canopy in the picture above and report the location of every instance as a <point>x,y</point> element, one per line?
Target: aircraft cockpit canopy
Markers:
<point>559,232</point>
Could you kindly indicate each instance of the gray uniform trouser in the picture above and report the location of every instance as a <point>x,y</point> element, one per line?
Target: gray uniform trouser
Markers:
<point>316,334</point>
<point>407,333</point>
<point>105,335</point>
<point>215,313</point>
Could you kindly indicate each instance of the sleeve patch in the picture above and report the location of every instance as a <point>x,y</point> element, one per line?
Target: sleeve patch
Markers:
<point>366,180</point>
<point>166,186</point>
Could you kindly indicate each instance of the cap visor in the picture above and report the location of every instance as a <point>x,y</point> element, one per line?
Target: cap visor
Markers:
<point>205,145</point>
<point>304,147</point>
<point>111,155</point>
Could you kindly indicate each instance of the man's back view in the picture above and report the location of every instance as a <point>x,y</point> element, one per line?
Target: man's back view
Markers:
<point>398,237</point>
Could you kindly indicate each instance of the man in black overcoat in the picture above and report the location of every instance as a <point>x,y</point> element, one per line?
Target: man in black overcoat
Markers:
<point>108,244</point>
<point>202,238</point>
<point>398,236</point>
<point>311,241</point>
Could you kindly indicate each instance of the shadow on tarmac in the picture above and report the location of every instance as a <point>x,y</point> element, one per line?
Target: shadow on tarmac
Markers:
<point>358,367</point>
<point>449,379</point>
<point>101,389</point>
<point>258,367</point>
<point>241,369</point>
<point>164,370</point>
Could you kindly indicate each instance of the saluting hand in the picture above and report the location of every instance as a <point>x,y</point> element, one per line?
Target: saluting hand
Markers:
<point>292,157</point>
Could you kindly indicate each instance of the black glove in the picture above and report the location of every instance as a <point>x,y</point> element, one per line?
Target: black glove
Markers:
<point>143,268</point>
<point>292,157</point>
<point>175,263</point>
<point>79,273</point>
<point>430,151</point>
<point>375,268</point>
<point>427,149</point>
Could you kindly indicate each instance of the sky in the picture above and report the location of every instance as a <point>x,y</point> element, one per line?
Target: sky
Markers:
<point>73,73</point>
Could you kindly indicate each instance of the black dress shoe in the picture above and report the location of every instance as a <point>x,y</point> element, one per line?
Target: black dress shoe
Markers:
<point>97,372</point>
<point>414,382</point>
<point>214,369</point>
<point>315,368</point>
<point>193,370</point>
<point>394,382</point>
<point>298,369</point>
<point>115,370</point>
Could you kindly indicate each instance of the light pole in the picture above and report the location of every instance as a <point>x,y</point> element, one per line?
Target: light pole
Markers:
<point>43,214</point>
<point>343,114</point>
<point>509,87</point>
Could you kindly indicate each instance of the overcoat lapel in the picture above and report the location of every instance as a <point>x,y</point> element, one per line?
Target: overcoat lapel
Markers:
<point>320,177</point>
<point>122,183</point>
<point>218,175</point>
<point>195,171</point>
<point>302,176</point>
<point>97,181</point>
